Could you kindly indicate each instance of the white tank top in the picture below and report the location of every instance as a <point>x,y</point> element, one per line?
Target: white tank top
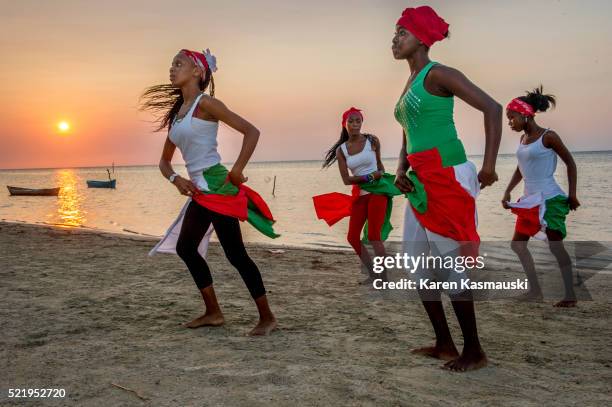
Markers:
<point>197,141</point>
<point>362,163</point>
<point>537,164</point>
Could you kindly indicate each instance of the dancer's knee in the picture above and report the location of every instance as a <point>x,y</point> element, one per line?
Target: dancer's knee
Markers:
<point>238,257</point>
<point>374,235</point>
<point>355,242</point>
<point>186,248</point>
<point>557,248</point>
<point>518,246</point>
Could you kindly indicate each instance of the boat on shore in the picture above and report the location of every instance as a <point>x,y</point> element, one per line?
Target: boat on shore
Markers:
<point>33,191</point>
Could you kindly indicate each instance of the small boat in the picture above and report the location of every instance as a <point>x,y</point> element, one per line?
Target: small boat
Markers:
<point>102,184</point>
<point>33,192</point>
<point>111,183</point>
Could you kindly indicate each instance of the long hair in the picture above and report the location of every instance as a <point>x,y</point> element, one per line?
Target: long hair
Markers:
<point>538,100</point>
<point>330,156</point>
<point>165,101</point>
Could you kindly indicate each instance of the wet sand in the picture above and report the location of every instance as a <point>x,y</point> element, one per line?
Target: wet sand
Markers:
<point>82,310</point>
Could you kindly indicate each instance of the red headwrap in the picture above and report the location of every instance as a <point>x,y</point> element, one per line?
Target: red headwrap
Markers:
<point>520,106</point>
<point>424,23</point>
<point>197,57</point>
<point>351,111</point>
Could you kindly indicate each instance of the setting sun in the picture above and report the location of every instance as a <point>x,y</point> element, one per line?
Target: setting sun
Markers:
<point>63,127</point>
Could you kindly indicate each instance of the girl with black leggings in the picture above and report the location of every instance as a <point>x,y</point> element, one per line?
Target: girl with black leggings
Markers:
<point>196,222</point>
<point>218,197</point>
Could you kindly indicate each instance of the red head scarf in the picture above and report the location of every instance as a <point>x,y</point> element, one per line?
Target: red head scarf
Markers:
<point>197,57</point>
<point>520,106</point>
<point>424,23</point>
<point>350,112</point>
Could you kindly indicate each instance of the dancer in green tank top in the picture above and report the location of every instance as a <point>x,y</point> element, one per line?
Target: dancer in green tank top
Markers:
<point>428,118</point>
<point>442,204</point>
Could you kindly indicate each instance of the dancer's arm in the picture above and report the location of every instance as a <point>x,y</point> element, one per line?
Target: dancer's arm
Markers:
<point>379,164</point>
<point>185,186</point>
<point>346,178</point>
<point>251,134</point>
<point>516,178</point>
<point>552,140</point>
<point>455,83</point>
<point>402,182</point>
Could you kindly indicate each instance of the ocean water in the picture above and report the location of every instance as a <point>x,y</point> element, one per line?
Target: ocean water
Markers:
<point>146,203</point>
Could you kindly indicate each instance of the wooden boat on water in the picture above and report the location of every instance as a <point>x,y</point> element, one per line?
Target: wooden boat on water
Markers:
<point>33,192</point>
<point>101,184</point>
<point>111,183</point>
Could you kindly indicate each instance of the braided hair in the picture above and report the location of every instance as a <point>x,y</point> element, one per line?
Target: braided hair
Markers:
<point>165,100</point>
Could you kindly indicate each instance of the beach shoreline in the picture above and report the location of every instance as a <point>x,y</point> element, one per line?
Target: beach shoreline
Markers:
<point>82,310</point>
<point>144,237</point>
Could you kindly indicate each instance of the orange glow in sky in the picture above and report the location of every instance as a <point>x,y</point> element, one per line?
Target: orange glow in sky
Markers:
<point>290,68</point>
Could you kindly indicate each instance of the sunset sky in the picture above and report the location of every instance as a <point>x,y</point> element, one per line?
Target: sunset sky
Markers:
<point>289,67</point>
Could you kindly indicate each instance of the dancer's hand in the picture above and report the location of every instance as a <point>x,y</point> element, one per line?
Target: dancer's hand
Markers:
<point>573,202</point>
<point>236,177</point>
<point>377,175</point>
<point>403,183</point>
<point>506,199</point>
<point>487,177</point>
<point>185,186</point>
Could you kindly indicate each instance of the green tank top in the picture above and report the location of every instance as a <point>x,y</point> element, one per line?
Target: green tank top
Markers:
<point>428,121</point>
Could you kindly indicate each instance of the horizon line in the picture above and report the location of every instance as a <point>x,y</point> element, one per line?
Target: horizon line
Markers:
<point>253,162</point>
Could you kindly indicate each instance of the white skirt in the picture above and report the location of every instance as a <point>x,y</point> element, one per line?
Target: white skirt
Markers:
<point>168,242</point>
<point>418,240</point>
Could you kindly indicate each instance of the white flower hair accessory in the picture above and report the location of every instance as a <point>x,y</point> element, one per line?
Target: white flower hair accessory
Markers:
<point>211,60</point>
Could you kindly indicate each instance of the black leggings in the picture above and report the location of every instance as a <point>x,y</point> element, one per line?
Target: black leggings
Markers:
<point>195,224</point>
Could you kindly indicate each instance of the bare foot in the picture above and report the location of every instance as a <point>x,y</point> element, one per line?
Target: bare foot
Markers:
<point>263,327</point>
<point>532,296</point>
<point>438,352</point>
<point>206,320</point>
<point>566,304</point>
<point>469,360</point>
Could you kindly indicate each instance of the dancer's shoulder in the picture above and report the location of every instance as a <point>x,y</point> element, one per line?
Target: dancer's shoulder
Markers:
<point>551,139</point>
<point>374,141</point>
<point>444,72</point>
<point>207,101</point>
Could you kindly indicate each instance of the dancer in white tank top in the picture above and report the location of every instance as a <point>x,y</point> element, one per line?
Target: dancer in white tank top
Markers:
<point>197,141</point>
<point>192,118</point>
<point>362,163</point>
<point>359,153</point>
<point>542,210</point>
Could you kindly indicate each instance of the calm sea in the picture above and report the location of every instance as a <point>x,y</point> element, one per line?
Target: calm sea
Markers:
<point>146,203</point>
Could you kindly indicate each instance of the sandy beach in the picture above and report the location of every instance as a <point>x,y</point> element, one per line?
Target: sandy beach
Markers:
<point>82,310</point>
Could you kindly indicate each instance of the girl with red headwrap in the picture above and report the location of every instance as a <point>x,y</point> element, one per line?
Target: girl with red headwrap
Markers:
<point>442,184</point>
<point>370,203</point>
<point>542,210</point>
<point>217,198</point>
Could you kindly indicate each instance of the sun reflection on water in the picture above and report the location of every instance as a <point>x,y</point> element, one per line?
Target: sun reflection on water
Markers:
<point>69,199</point>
